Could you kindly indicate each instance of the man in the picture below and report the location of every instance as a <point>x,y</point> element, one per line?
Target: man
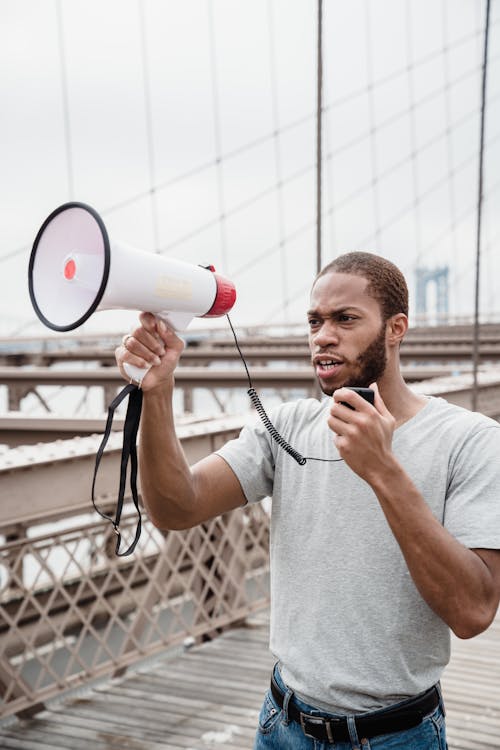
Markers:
<point>375,555</point>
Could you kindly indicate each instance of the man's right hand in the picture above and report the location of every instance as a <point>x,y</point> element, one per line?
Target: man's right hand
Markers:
<point>174,495</point>
<point>152,345</point>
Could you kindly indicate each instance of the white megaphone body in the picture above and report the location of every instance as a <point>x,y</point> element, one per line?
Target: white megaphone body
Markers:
<point>75,269</point>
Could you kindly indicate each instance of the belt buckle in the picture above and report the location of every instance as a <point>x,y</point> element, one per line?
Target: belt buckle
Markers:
<point>318,721</point>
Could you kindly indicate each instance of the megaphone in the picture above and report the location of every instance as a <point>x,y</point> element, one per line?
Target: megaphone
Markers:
<point>75,269</point>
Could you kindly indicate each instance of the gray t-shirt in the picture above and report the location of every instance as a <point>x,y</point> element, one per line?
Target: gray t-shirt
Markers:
<point>348,624</point>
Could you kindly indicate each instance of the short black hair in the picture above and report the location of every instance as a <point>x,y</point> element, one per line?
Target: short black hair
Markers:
<point>386,282</point>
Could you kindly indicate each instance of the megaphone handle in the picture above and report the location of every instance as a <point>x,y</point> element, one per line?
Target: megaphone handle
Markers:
<point>136,374</point>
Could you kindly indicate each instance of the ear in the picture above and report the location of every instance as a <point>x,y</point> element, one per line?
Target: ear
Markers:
<point>397,326</point>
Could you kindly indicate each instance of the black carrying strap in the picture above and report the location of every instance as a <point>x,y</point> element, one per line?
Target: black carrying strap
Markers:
<point>129,451</point>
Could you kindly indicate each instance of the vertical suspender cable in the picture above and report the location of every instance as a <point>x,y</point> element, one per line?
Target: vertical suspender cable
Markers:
<point>413,138</point>
<point>319,81</point>
<point>475,350</point>
<point>330,182</point>
<point>65,101</point>
<point>217,134</point>
<point>277,157</point>
<point>149,127</point>
<point>373,127</point>
<point>450,161</point>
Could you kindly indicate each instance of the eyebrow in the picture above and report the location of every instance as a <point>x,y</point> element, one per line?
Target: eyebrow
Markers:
<point>334,313</point>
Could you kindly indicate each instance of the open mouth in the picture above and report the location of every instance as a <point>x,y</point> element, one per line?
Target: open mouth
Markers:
<point>327,367</point>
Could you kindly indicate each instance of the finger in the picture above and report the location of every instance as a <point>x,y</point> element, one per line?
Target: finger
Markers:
<point>123,355</point>
<point>340,411</point>
<point>157,327</point>
<point>150,341</point>
<point>379,402</point>
<point>341,427</point>
<point>169,337</point>
<point>148,336</point>
<point>149,321</point>
<point>354,400</point>
<point>148,352</point>
<point>149,333</point>
<point>340,443</point>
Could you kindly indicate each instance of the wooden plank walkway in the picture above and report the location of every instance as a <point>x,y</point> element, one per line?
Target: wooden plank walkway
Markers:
<point>471,688</point>
<point>210,696</point>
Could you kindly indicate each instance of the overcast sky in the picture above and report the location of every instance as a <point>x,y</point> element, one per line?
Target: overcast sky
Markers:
<point>102,99</point>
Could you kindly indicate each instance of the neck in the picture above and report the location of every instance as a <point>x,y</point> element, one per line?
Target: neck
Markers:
<point>398,397</point>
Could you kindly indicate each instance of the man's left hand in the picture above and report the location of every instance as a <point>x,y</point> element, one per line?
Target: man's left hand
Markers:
<point>363,434</point>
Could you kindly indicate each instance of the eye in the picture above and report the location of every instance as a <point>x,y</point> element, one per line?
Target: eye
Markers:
<point>346,318</point>
<point>314,323</point>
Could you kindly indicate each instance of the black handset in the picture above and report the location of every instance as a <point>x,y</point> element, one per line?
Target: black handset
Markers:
<point>367,393</point>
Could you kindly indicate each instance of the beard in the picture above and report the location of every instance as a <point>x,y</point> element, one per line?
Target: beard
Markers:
<point>367,368</point>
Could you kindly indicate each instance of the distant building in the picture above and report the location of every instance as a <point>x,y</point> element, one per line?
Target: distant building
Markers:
<point>432,294</point>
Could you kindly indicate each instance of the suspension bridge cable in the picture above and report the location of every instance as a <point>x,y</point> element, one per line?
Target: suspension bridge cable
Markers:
<point>261,139</point>
<point>303,228</point>
<point>367,186</point>
<point>213,222</point>
<point>277,132</point>
<point>413,135</point>
<point>236,209</point>
<point>468,270</point>
<point>146,85</point>
<point>65,101</point>
<point>15,253</point>
<point>300,173</point>
<point>330,182</point>
<point>450,160</point>
<point>466,273</point>
<point>344,147</point>
<point>390,77</point>
<point>333,207</point>
<point>301,121</point>
<point>319,123</point>
<point>372,124</point>
<point>269,251</point>
<point>457,221</point>
<point>217,133</point>
<point>475,352</point>
<point>278,168</point>
<point>429,191</point>
<point>407,111</point>
<point>66,120</point>
<point>492,245</point>
<point>200,168</point>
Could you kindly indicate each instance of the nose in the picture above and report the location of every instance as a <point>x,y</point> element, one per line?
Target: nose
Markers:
<point>326,335</point>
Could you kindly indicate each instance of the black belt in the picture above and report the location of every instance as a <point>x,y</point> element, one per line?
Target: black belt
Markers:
<point>327,729</point>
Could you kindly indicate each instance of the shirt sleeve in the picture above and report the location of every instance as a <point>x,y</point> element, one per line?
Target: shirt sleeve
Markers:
<point>251,458</point>
<point>472,509</point>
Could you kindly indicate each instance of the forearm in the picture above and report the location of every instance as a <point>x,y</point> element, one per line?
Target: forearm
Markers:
<point>167,483</point>
<point>451,578</point>
<point>175,496</point>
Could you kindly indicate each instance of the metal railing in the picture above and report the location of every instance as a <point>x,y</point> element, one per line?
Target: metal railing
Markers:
<point>71,611</point>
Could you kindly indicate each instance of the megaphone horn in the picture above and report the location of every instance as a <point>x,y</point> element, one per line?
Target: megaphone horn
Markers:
<point>75,269</point>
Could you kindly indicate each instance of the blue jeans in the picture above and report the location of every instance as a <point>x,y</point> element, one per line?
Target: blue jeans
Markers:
<point>276,732</point>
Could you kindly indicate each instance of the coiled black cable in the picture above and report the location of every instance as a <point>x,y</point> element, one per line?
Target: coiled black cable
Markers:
<point>272,429</point>
<point>301,460</point>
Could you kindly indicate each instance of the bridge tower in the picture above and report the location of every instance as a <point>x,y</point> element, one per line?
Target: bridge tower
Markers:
<point>440,278</point>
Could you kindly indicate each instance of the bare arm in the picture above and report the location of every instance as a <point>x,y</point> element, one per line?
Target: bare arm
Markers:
<point>175,495</point>
<point>461,585</point>
<point>456,582</point>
